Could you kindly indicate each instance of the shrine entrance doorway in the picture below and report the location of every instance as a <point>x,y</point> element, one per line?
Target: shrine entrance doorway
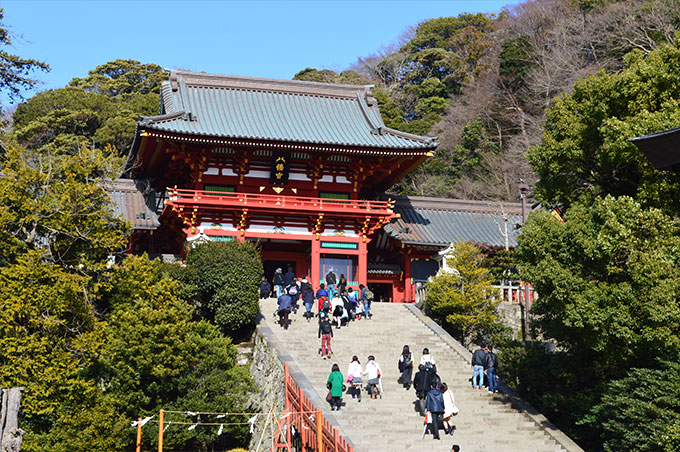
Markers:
<point>270,267</point>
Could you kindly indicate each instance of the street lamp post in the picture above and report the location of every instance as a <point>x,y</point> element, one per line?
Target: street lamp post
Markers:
<point>523,190</point>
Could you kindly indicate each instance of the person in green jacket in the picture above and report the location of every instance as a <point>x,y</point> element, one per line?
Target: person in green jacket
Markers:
<point>334,383</point>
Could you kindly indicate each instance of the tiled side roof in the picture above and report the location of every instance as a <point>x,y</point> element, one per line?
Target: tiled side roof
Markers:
<point>276,110</point>
<point>439,222</point>
<point>129,202</point>
<point>661,148</point>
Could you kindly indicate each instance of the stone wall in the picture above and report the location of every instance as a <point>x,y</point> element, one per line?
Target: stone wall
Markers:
<point>267,372</point>
<point>511,315</point>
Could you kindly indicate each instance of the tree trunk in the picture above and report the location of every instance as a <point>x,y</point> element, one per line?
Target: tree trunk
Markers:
<point>11,436</point>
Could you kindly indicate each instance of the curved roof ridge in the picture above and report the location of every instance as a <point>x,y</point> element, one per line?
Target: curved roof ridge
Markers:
<point>267,84</point>
<point>464,205</point>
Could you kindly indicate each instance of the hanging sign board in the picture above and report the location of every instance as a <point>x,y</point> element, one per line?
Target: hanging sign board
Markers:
<point>280,168</point>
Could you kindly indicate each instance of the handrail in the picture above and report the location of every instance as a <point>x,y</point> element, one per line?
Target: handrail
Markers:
<point>316,433</point>
<point>206,197</point>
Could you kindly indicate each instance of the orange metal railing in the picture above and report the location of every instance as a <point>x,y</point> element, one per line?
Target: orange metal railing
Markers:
<point>316,433</point>
<point>277,203</point>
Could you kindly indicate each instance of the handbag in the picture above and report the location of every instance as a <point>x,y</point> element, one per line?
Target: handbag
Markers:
<point>329,397</point>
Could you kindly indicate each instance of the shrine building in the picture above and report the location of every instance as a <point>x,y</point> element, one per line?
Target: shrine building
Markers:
<point>298,167</point>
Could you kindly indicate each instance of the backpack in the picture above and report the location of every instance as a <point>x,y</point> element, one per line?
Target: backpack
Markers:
<point>306,287</point>
<point>368,294</point>
<point>326,305</point>
<point>293,290</point>
<point>326,327</point>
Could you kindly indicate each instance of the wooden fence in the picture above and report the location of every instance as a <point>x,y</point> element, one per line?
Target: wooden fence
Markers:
<point>509,292</point>
<point>313,433</point>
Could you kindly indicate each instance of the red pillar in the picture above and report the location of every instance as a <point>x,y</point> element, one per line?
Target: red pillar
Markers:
<point>407,279</point>
<point>362,266</point>
<point>316,263</point>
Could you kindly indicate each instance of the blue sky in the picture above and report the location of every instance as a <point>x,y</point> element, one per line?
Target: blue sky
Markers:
<point>255,38</point>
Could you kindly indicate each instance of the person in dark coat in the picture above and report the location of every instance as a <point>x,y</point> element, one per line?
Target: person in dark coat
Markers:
<point>405,365</point>
<point>307,297</point>
<point>285,304</point>
<point>478,367</point>
<point>278,282</point>
<point>331,281</point>
<point>289,277</point>
<point>265,288</point>
<point>490,365</point>
<point>325,334</point>
<point>420,385</point>
<point>342,284</point>
<point>435,405</point>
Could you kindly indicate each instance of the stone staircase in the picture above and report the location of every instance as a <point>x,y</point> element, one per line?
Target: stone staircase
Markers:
<point>486,422</point>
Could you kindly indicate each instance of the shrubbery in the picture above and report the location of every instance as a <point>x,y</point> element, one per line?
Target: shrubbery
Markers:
<point>461,299</point>
<point>224,278</point>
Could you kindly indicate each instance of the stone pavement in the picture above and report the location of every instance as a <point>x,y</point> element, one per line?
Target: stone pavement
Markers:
<point>486,422</point>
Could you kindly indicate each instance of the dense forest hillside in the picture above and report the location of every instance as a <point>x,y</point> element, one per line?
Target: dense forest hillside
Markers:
<point>483,83</point>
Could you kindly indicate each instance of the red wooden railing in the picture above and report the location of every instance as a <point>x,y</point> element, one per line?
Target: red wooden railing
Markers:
<point>316,433</point>
<point>278,203</point>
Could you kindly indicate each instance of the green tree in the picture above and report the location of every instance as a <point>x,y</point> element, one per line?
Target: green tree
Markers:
<point>156,356</point>
<point>226,276</point>
<point>637,412</point>
<point>101,109</point>
<point>49,339</point>
<point>463,297</point>
<point>327,76</point>
<point>448,49</point>
<point>609,281</point>
<point>15,72</point>
<point>122,77</point>
<point>57,204</point>
<point>585,148</point>
<point>609,287</point>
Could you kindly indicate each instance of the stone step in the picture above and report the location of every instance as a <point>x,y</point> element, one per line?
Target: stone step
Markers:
<point>391,423</point>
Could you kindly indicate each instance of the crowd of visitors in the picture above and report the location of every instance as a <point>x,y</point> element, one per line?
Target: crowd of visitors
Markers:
<point>338,302</point>
<point>337,305</point>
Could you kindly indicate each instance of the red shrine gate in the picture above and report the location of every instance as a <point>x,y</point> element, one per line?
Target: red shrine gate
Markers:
<point>296,166</point>
<point>199,208</point>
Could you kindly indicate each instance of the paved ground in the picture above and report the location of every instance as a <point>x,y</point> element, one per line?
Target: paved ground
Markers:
<point>485,422</point>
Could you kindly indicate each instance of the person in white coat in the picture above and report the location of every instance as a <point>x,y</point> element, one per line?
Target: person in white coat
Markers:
<point>450,409</point>
<point>373,374</point>
<point>354,372</point>
<point>427,360</point>
<point>337,309</point>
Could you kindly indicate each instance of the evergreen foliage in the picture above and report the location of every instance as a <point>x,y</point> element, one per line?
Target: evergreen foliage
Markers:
<point>637,412</point>
<point>15,71</point>
<point>101,109</point>
<point>156,356</point>
<point>226,276</point>
<point>56,203</point>
<point>585,148</point>
<point>609,287</point>
<point>462,297</point>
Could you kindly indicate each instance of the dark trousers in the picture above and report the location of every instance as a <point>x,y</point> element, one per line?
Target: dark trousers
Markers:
<point>283,318</point>
<point>421,402</point>
<point>435,424</point>
<point>336,402</point>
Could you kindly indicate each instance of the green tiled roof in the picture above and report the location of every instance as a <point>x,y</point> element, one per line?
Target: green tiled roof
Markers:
<point>439,222</point>
<point>276,110</point>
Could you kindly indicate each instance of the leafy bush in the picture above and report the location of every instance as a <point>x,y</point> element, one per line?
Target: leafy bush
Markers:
<point>227,277</point>
<point>637,411</point>
<point>462,298</point>
<point>157,356</point>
